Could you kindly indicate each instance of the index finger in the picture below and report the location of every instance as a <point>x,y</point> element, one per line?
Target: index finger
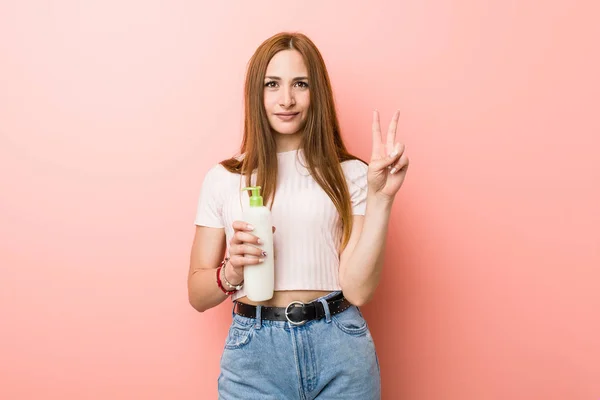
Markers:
<point>376,130</point>
<point>242,226</point>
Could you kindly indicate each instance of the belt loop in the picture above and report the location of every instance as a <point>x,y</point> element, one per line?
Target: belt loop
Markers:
<point>233,309</point>
<point>258,321</point>
<point>326,308</point>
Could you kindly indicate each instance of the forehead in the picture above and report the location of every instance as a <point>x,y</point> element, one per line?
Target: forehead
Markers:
<point>286,62</point>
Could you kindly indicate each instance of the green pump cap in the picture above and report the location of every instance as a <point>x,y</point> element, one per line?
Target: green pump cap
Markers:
<point>256,199</point>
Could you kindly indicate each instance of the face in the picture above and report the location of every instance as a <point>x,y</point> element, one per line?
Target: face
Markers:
<point>286,92</point>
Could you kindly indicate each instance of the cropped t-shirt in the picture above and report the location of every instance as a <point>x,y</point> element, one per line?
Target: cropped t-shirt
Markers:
<point>308,236</point>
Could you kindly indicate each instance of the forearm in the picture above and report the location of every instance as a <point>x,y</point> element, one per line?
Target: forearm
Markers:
<point>363,268</point>
<point>203,291</point>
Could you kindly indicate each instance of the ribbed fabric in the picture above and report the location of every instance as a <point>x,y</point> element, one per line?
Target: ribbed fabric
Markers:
<point>309,232</point>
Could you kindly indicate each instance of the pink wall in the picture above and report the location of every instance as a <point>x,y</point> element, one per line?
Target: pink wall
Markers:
<point>110,113</point>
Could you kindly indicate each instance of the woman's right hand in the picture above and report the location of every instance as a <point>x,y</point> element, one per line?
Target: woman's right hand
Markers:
<point>244,243</point>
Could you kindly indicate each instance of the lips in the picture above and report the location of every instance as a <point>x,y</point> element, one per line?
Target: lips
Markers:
<point>286,116</point>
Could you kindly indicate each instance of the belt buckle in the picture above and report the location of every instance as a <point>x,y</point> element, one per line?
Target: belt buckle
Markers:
<point>287,313</point>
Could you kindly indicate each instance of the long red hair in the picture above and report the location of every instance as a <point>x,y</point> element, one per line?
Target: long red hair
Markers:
<point>322,143</point>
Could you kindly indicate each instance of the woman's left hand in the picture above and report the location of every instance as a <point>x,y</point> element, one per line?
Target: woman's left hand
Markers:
<point>389,162</point>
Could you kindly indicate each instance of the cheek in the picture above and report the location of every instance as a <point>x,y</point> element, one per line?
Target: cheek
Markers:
<point>269,101</point>
<point>305,100</point>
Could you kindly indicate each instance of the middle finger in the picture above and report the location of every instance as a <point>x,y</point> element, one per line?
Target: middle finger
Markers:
<point>245,237</point>
<point>391,135</point>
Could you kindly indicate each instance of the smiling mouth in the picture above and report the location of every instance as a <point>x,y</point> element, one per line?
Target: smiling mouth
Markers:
<point>286,117</point>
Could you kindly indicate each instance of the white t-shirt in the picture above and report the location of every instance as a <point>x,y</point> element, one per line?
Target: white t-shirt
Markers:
<point>309,231</point>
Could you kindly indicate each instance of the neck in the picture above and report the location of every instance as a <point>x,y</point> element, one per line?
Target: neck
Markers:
<point>287,142</point>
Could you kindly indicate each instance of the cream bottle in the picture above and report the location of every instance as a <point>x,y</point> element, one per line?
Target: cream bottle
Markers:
<point>259,279</point>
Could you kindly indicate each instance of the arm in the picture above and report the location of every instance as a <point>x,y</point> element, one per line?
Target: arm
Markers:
<point>361,261</point>
<point>209,245</point>
<point>208,249</point>
<point>207,252</point>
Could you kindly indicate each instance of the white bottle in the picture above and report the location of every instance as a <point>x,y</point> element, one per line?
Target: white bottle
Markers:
<point>259,279</point>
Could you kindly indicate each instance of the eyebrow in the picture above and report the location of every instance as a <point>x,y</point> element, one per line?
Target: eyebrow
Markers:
<point>276,78</point>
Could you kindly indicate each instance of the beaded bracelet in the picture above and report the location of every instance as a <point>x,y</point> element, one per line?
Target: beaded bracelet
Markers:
<point>231,286</point>
<point>220,283</point>
<point>227,292</point>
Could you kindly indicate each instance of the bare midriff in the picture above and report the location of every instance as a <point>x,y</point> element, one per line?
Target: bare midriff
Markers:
<point>283,298</point>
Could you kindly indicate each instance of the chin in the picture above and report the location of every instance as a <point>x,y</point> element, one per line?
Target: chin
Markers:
<point>287,130</point>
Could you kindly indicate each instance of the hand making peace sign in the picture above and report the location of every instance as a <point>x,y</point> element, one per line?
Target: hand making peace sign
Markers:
<point>389,162</point>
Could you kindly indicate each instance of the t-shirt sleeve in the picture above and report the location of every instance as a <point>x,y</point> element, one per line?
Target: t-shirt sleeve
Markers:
<point>356,177</point>
<point>210,203</point>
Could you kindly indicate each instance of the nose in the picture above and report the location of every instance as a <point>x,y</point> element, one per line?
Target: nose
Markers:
<point>287,98</point>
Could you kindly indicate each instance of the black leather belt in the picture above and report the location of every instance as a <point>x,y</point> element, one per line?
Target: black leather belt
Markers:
<point>297,313</point>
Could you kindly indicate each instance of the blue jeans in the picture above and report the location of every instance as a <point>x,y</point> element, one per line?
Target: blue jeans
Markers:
<point>332,358</point>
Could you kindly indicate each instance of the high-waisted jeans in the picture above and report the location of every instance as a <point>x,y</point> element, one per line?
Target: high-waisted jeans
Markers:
<point>331,358</point>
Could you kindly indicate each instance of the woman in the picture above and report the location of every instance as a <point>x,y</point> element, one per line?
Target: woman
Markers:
<point>330,212</point>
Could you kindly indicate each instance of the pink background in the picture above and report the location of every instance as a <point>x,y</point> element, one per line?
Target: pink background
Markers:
<point>112,111</point>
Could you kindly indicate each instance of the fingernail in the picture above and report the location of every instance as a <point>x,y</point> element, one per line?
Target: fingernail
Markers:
<point>259,241</point>
<point>264,253</point>
<point>394,154</point>
<point>261,260</point>
<point>393,171</point>
<point>249,227</point>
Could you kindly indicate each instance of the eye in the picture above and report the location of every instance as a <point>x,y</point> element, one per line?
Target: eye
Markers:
<point>268,84</point>
<point>302,84</point>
